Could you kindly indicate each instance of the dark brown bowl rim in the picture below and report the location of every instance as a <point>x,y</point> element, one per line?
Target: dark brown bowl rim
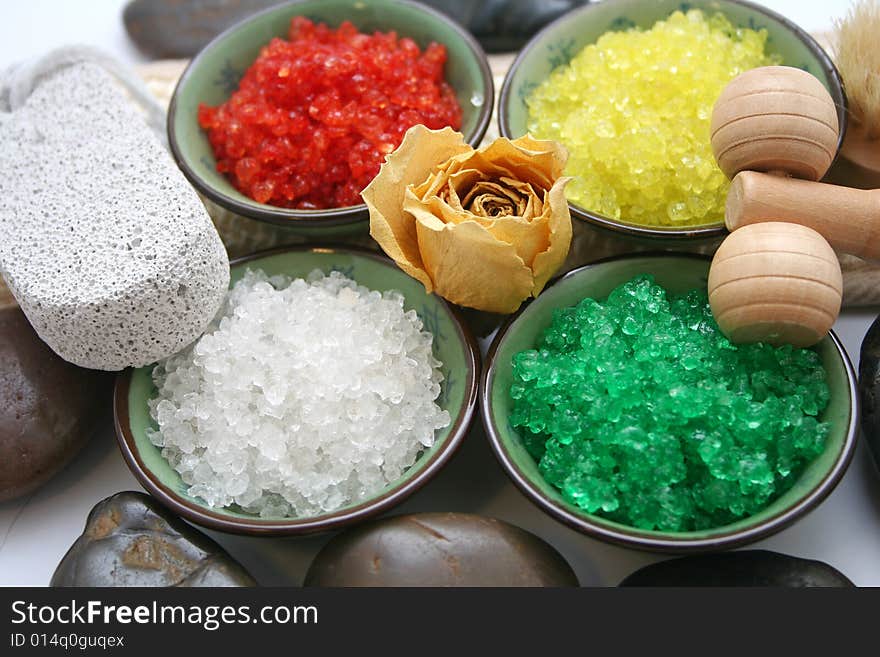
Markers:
<point>295,527</point>
<point>649,541</point>
<point>687,233</point>
<point>329,217</point>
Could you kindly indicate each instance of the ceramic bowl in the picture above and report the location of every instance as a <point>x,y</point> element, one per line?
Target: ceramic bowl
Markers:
<point>677,273</point>
<point>214,74</point>
<point>560,41</point>
<point>453,345</point>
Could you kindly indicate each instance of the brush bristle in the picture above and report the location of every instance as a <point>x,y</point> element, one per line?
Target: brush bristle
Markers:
<point>857,55</point>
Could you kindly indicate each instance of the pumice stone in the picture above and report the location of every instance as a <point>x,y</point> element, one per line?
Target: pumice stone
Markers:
<point>106,247</point>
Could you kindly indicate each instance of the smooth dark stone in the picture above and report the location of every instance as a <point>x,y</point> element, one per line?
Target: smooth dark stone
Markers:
<point>869,389</point>
<point>48,407</point>
<point>131,540</point>
<point>504,25</point>
<point>742,568</point>
<point>180,28</point>
<point>438,549</point>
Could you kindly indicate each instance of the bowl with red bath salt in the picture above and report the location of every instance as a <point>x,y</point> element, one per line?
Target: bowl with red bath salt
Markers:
<point>616,405</point>
<point>288,115</point>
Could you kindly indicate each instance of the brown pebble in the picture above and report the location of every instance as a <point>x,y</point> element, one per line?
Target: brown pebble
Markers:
<point>48,407</point>
<point>6,298</point>
<point>439,549</point>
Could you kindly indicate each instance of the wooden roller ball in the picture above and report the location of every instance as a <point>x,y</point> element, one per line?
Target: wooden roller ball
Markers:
<point>778,121</point>
<point>775,282</point>
<point>775,118</point>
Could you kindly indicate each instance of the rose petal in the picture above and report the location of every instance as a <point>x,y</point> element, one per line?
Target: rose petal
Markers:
<point>458,185</point>
<point>434,209</point>
<point>529,238</point>
<point>486,195</point>
<point>472,268</point>
<point>486,228</point>
<point>492,205</point>
<point>530,158</point>
<point>548,262</point>
<point>535,161</point>
<point>450,196</point>
<point>409,164</point>
<point>436,180</point>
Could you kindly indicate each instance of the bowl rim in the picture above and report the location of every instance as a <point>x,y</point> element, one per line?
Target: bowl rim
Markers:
<point>706,231</point>
<point>647,540</point>
<point>327,217</point>
<point>390,497</point>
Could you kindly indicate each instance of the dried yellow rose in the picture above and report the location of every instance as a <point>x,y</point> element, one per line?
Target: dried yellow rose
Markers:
<point>482,228</point>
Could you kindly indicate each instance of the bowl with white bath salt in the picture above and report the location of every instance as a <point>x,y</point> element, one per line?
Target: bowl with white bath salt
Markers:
<point>328,388</point>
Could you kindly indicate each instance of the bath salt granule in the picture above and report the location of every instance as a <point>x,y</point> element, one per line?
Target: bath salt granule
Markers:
<point>639,410</point>
<point>315,115</point>
<point>302,397</point>
<point>634,110</point>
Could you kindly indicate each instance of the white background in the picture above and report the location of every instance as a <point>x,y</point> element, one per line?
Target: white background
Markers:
<point>37,530</point>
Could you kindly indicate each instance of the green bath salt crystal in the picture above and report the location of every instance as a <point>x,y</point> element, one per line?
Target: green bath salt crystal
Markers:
<point>639,410</point>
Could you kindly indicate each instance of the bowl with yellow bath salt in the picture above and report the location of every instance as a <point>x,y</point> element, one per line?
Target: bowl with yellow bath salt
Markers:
<point>628,87</point>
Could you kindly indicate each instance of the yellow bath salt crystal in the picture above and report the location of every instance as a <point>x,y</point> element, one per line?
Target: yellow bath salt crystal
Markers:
<point>633,109</point>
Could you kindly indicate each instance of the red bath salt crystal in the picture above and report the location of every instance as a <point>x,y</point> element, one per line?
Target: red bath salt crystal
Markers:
<point>314,116</point>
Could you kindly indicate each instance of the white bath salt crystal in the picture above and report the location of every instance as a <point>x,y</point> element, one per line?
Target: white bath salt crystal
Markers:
<point>302,397</point>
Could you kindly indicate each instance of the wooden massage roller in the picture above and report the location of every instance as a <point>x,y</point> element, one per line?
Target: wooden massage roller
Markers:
<point>776,278</point>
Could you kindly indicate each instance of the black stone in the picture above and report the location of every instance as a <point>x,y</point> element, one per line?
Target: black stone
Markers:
<point>742,568</point>
<point>49,408</point>
<point>869,389</point>
<point>438,549</point>
<point>131,540</point>
<point>504,25</point>
<point>180,28</point>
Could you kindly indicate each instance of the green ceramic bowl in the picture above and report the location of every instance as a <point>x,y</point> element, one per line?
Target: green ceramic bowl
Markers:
<point>557,43</point>
<point>214,74</point>
<point>453,345</point>
<point>677,273</point>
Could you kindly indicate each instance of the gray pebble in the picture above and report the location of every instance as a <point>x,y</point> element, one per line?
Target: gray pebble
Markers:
<point>131,540</point>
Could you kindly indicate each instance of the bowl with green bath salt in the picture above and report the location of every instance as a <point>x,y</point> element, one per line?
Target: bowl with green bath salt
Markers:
<point>615,404</point>
<point>328,389</point>
<point>628,86</point>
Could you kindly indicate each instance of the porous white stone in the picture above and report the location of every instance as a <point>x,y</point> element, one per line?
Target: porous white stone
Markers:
<point>303,396</point>
<point>105,245</point>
